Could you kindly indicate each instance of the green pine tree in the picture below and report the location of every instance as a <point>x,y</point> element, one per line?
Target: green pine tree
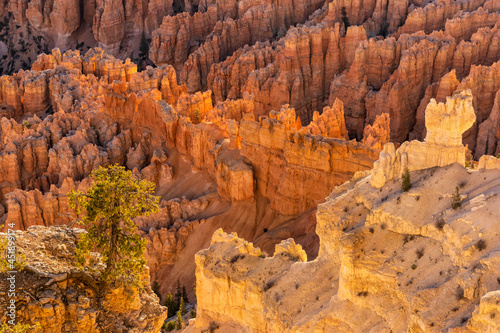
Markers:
<point>107,209</point>
<point>406,185</point>
<point>156,288</point>
<point>179,321</point>
<point>456,200</point>
<point>184,294</point>
<point>178,293</point>
<point>170,304</point>
<point>182,307</point>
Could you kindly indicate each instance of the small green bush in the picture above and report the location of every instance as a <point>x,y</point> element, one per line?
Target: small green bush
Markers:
<point>170,326</point>
<point>456,200</point>
<point>406,185</point>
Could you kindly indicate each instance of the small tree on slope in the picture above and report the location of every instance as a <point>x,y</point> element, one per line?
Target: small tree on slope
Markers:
<point>108,209</point>
<point>406,185</point>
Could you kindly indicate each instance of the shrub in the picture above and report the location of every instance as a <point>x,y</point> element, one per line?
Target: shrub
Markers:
<point>156,288</point>
<point>178,323</point>
<point>170,304</point>
<point>213,326</point>
<point>269,285</point>
<point>406,185</point>
<point>480,245</point>
<point>440,223</point>
<point>170,326</point>
<point>456,200</point>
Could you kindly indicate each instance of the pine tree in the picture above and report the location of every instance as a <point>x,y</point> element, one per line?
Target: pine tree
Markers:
<point>182,307</point>
<point>170,304</point>
<point>344,18</point>
<point>456,200</point>
<point>184,294</point>
<point>179,321</point>
<point>194,291</point>
<point>178,293</point>
<point>406,185</point>
<point>143,47</point>
<point>156,288</point>
<point>107,209</point>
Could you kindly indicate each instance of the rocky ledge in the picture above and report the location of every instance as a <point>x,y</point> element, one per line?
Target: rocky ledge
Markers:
<point>51,291</point>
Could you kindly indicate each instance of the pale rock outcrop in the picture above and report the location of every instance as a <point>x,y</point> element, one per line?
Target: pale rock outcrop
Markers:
<point>61,297</point>
<point>399,265</point>
<point>488,162</point>
<point>445,123</point>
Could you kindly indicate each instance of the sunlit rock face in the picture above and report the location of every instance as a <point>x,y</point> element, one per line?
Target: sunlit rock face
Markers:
<point>445,123</point>
<point>63,298</point>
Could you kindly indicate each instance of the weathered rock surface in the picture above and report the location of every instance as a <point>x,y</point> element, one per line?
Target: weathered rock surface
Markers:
<point>445,123</point>
<point>402,261</point>
<point>61,297</point>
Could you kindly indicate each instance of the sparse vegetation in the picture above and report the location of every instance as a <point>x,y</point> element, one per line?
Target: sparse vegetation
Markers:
<point>440,223</point>
<point>456,200</point>
<point>406,184</point>
<point>179,322</point>
<point>197,116</point>
<point>170,326</point>
<point>269,285</point>
<point>372,230</point>
<point>213,326</point>
<point>480,244</point>
<point>459,293</point>
<point>170,304</point>
<point>237,257</point>
<point>156,288</point>
<point>420,253</point>
<point>26,124</point>
<point>413,266</point>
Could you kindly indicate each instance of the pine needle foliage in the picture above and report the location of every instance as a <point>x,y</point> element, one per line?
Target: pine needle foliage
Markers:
<point>107,209</point>
<point>456,199</point>
<point>406,185</point>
